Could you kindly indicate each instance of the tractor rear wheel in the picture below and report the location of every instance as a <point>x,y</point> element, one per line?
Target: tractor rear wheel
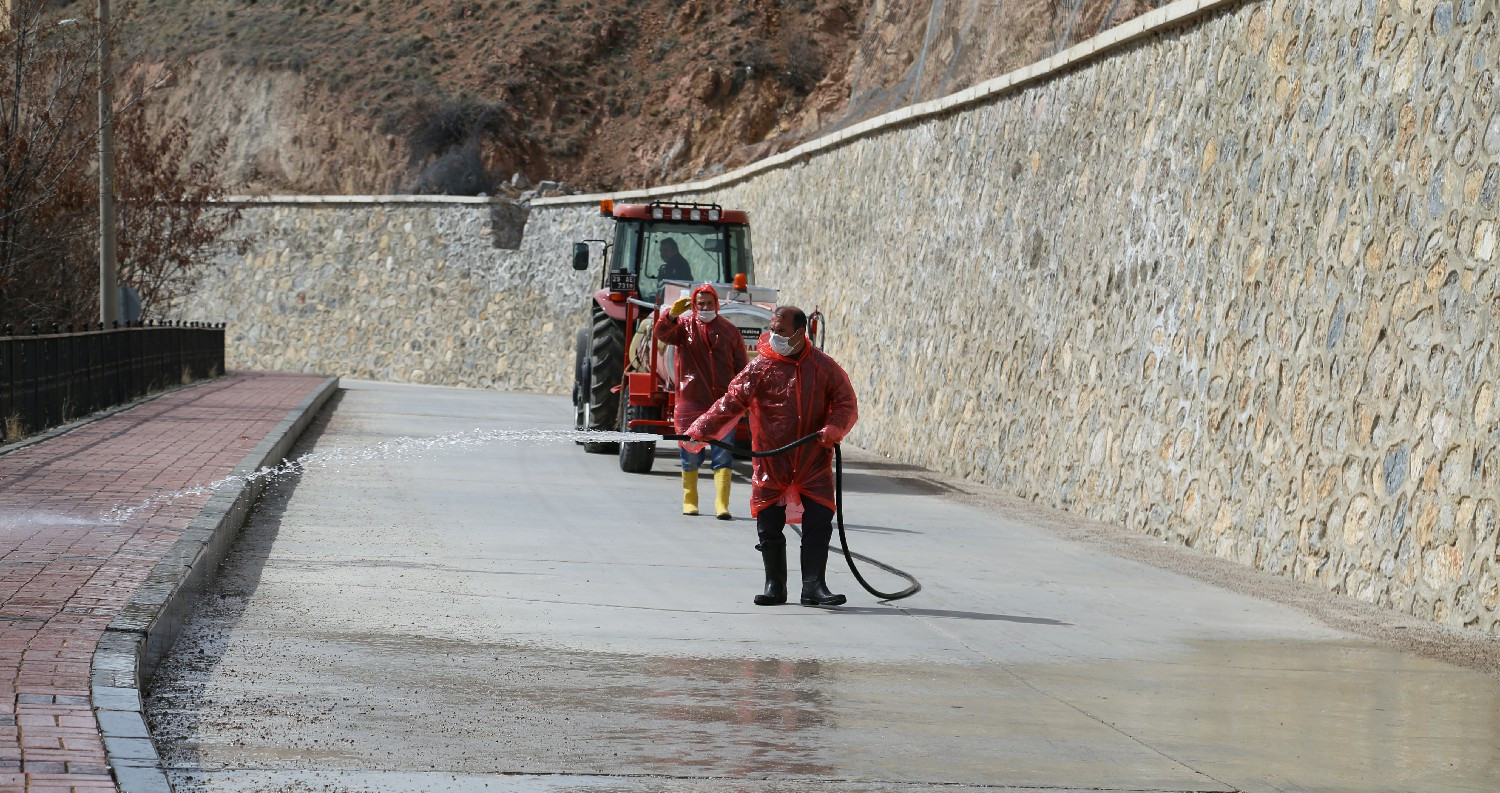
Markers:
<point>606,373</point>
<point>636,458</point>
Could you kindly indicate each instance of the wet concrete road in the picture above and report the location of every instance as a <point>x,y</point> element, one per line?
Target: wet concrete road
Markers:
<point>529,618</point>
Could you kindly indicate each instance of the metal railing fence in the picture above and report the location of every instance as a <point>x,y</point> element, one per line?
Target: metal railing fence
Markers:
<point>52,378</point>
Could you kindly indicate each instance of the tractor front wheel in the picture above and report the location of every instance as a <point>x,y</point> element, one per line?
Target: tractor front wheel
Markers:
<point>606,374</point>
<point>636,458</point>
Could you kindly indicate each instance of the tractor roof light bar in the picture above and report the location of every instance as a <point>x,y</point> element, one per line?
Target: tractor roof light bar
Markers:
<point>668,211</point>
<point>684,210</point>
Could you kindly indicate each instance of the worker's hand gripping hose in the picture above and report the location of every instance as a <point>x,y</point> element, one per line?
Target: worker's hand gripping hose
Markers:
<point>838,481</point>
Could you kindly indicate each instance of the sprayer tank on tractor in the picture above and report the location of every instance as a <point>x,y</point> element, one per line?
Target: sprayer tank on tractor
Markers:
<point>623,379</point>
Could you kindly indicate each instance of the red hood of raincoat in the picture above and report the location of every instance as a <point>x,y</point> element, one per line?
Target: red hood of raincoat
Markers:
<point>709,290</point>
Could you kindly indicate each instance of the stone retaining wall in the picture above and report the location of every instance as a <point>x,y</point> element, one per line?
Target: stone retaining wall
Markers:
<point>1231,283</point>
<point>408,291</point>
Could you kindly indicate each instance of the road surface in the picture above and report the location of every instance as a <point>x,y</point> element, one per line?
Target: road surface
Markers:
<point>528,618</point>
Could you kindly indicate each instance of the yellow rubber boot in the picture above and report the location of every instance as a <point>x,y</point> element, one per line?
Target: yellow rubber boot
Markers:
<point>689,492</point>
<point>721,490</point>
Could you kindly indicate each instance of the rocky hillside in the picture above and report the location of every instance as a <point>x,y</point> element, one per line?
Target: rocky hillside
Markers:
<point>457,96</point>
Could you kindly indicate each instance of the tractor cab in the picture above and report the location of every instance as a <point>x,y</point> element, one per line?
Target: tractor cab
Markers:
<point>657,252</point>
<point>659,242</point>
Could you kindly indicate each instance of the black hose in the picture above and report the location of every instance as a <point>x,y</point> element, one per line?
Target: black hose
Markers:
<point>748,452</point>
<point>838,484</point>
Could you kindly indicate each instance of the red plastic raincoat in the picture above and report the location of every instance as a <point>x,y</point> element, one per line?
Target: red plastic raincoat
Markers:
<point>709,355</point>
<point>788,398</point>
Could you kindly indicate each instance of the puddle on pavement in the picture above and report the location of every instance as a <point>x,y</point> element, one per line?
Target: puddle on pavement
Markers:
<point>1254,715</point>
<point>1292,716</point>
<point>482,708</point>
<point>403,703</point>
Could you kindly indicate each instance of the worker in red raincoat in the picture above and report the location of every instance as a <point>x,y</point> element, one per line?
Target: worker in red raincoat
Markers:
<point>710,352</point>
<point>791,390</point>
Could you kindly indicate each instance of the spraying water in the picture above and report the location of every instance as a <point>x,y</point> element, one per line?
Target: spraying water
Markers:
<point>395,450</point>
<point>33,519</point>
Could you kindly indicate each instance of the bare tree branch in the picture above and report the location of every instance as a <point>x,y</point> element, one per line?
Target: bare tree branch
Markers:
<point>169,222</point>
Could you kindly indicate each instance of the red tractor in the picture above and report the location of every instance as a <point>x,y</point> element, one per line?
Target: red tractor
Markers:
<point>622,378</point>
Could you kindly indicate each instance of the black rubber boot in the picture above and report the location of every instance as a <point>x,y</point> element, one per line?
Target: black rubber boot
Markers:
<point>815,590</point>
<point>774,558</point>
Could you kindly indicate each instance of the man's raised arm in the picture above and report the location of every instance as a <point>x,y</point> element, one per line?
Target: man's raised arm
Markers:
<point>725,412</point>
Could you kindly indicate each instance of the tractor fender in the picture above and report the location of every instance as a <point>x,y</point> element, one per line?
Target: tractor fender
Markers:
<point>616,311</point>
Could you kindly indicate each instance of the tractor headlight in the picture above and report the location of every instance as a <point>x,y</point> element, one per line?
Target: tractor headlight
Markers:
<point>695,215</point>
<point>656,213</point>
<point>676,214</point>
<point>713,214</point>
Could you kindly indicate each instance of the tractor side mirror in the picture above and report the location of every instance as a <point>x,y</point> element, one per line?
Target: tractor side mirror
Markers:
<point>580,256</point>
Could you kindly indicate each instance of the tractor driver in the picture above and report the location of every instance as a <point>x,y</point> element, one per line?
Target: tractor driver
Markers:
<point>791,390</point>
<point>673,266</point>
<point>710,352</point>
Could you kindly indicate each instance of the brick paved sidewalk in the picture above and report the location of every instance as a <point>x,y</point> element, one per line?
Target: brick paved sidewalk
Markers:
<point>65,573</point>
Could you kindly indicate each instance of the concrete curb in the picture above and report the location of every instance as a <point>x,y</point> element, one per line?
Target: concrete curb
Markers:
<point>145,629</point>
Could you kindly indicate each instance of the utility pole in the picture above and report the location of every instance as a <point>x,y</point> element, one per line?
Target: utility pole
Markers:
<point>109,293</point>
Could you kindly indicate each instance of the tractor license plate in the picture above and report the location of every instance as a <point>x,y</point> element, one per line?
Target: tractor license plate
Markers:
<point>621,281</point>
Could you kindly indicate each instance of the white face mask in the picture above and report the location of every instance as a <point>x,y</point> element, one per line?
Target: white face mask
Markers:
<point>781,344</point>
<point>707,316</point>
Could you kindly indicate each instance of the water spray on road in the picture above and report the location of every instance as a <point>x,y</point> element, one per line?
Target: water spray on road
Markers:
<point>394,450</point>
<point>408,448</point>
